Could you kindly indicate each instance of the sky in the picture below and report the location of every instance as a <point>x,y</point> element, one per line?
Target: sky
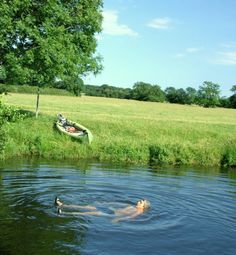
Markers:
<point>177,43</point>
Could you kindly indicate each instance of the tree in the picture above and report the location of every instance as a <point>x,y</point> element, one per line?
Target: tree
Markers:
<point>156,94</point>
<point>2,74</point>
<point>72,84</point>
<point>191,95</point>
<point>233,89</point>
<point>209,94</point>
<point>177,96</point>
<point>225,102</point>
<point>141,91</point>
<point>146,92</point>
<point>43,41</point>
<point>232,99</point>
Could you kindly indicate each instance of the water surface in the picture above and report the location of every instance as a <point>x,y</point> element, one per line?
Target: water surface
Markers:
<point>193,211</point>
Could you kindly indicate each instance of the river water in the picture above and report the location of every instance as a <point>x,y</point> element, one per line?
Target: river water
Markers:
<point>193,211</point>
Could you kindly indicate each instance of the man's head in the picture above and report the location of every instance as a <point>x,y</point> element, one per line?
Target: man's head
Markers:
<point>143,204</point>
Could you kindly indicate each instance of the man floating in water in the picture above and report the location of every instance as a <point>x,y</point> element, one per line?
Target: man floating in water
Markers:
<point>121,214</point>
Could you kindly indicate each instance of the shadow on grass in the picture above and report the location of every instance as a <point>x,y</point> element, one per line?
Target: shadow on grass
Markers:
<point>27,113</point>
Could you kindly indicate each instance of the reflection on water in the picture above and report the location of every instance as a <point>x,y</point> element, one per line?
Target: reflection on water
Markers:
<point>192,210</point>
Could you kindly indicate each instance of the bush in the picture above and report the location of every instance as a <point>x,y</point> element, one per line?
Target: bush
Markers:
<point>3,138</point>
<point>35,146</point>
<point>229,156</point>
<point>10,113</point>
<point>170,154</point>
<point>7,114</point>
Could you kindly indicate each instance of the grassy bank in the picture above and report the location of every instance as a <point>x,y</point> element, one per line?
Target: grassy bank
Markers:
<point>126,131</point>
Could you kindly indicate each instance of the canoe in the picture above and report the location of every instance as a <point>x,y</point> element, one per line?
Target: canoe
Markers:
<point>75,130</point>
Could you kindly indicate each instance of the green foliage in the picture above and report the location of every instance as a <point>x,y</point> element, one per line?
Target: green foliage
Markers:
<point>233,89</point>
<point>71,84</point>
<point>3,90</point>
<point>2,74</point>
<point>26,89</point>
<point>10,113</point>
<point>191,95</point>
<point>107,91</point>
<point>170,154</point>
<point>7,114</point>
<point>229,156</point>
<point>225,102</point>
<point>35,146</point>
<point>3,137</point>
<point>232,101</point>
<point>42,41</point>
<point>146,92</point>
<point>209,94</point>
<point>177,96</point>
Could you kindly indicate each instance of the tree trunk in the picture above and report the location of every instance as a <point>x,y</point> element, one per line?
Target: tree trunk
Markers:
<point>37,103</point>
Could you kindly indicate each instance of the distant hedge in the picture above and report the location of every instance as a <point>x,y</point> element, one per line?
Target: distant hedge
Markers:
<point>26,89</point>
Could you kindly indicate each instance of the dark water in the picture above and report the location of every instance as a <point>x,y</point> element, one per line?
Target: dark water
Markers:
<point>193,211</point>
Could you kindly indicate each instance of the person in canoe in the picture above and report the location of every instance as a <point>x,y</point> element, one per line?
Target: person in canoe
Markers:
<point>121,214</point>
<point>64,122</point>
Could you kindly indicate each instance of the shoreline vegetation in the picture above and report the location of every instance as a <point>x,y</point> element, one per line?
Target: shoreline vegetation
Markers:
<point>125,131</point>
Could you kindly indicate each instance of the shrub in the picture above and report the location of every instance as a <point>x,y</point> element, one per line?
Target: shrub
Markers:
<point>170,154</point>
<point>10,113</point>
<point>229,156</point>
<point>7,114</point>
<point>3,138</point>
<point>35,146</point>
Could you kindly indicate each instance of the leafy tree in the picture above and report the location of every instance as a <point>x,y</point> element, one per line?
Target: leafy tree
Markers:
<point>72,84</point>
<point>191,95</point>
<point>141,91</point>
<point>2,74</point>
<point>170,93</point>
<point>156,94</point>
<point>225,102</point>
<point>233,89</point>
<point>41,41</point>
<point>107,91</point>
<point>181,96</point>
<point>209,94</point>
<point>232,101</point>
<point>146,92</point>
<point>177,96</point>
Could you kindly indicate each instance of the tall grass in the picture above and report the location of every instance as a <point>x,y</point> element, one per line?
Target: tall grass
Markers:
<point>126,131</point>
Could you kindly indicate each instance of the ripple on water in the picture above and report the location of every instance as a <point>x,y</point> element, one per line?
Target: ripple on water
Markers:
<point>187,207</point>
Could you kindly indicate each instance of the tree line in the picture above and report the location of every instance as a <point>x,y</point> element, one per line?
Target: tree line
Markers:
<point>207,95</point>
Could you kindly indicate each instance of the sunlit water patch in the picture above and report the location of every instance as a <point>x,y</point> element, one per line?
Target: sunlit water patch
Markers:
<point>193,211</point>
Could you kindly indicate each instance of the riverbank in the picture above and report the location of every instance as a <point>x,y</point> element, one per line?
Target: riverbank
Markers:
<point>125,131</point>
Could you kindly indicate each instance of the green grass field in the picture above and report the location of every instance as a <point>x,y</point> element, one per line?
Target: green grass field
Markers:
<point>126,131</point>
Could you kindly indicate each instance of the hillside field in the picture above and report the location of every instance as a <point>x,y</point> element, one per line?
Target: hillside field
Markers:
<point>125,131</point>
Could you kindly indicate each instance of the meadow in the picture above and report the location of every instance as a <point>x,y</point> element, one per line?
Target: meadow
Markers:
<point>125,131</point>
